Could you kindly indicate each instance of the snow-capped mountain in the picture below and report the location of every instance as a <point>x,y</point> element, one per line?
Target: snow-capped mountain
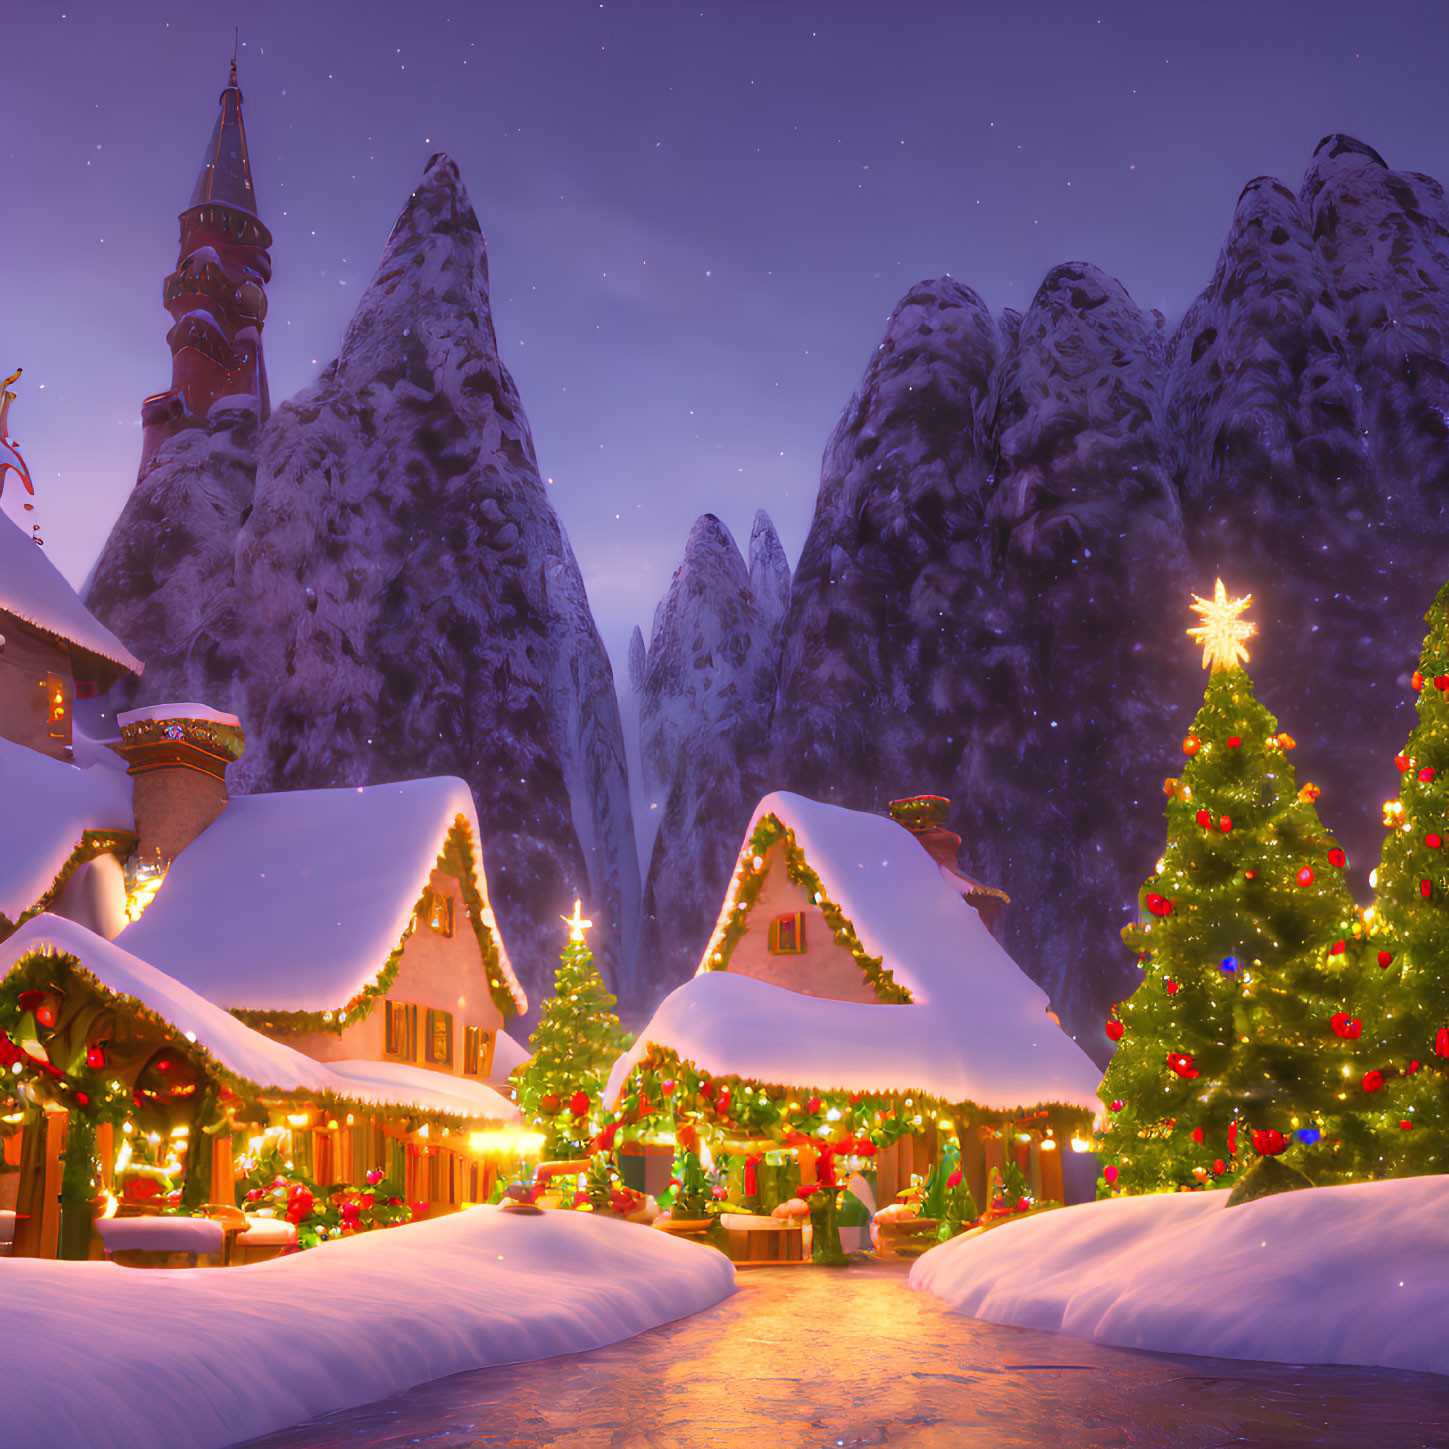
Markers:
<point>704,695</point>
<point>409,602</point>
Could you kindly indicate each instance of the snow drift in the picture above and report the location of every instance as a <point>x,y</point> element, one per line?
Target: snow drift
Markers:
<point>1346,1275</point>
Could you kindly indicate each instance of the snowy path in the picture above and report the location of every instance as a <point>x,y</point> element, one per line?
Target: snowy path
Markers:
<point>802,1358</point>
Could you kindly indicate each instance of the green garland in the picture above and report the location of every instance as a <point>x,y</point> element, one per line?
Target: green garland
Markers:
<point>92,844</point>
<point>767,832</point>
<point>458,860</point>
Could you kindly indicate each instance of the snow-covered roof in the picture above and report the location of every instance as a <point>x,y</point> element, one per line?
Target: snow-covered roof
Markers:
<point>977,1028</point>
<point>47,805</point>
<point>33,589</point>
<point>246,1053</point>
<point>179,710</point>
<point>294,901</point>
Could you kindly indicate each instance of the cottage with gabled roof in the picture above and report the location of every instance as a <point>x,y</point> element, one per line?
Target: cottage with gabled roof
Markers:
<point>847,960</point>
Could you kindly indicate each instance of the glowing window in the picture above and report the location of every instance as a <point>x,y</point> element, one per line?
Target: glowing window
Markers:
<point>787,934</point>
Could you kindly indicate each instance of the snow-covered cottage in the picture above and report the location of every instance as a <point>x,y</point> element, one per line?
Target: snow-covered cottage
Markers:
<point>99,1040</point>
<point>847,973</point>
<point>52,649</point>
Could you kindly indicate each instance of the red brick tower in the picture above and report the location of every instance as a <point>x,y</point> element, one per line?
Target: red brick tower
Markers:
<point>216,294</point>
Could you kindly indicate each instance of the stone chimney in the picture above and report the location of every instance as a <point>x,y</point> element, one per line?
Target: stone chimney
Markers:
<point>925,816</point>
<point>176,755</point>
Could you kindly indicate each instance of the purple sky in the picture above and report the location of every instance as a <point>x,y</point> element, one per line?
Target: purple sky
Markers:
<point>698,216</point>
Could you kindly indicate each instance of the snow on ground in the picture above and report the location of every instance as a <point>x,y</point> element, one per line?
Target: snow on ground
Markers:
<point>1349,1275</point>
<point>103,1357</point>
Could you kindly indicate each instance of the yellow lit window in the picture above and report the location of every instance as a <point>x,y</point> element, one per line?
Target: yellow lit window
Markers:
<point>400,1030</point>
<point>57,696</point>
<point>787,934</point>
<point>436,912</point>
<point>477,1051</point>
<point>440,1038</point>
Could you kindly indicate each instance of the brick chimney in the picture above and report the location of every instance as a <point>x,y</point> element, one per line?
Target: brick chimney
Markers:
<point>925,816</point>
<point>176,755</point>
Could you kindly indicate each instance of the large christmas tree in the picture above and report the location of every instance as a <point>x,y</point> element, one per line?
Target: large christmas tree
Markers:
<point>1404,1000</point>
<point>1231,1046</point>
<point>577,1040</point>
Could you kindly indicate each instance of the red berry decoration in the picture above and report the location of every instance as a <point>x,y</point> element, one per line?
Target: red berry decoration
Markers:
<point>1338,948</point>
<point>1403,762</point>
<point>1305,876</point>
<point>1406,1125</point>
<point>1115,1030</point>
<point>549,1102</point>
<point>1372,1081</point>
<point>1384,958</point>
<point>1191,745</point>
<point>1197,1135</point>
<point>1418,680</point>
<point>1345,1026</point>
<point>1226,825</point>
<point>1204,819</point>
<point>1269,1142</point>
<point>96,1055</point>
<point>1109,1174</point>
<point>1433,842</point>
<point>1441,1042</point>
<point>1234,741</point>
<point>579,1103</point>
<point>1337,857</point>
<point>1172,987</point>
<point>1181,1063</point>
<point>1116,1107</point>
<point>813,1106</point>
<point>1219,1166</point>
<point>1232,1137</point>
<point>1427,773</point>
<point>1250,875</point>
<point>1426,888</point>
<point>1411,1069</point>
<point>1441,681</point>
<point>1159,905</point>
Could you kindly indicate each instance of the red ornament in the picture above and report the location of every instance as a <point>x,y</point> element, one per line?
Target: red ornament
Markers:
<point>1204,819</point>
<point>1116,1107</point>
<point>1191,745</point>
<point>706,1089</point>
<point>83,1099</point>
<point>1433,842</point>
<point>1197,1135</point>
<point>1234,741</point>
<point>1158,905</point>
<point>1384,958</point>
<point>1345,1026</point>
<point>1426,888</point>
<point>42,1003</point>
<point>1109,1174</point>
<point>1269,1142</point>
<point>1441,1042</point>
<point>1441,681</point>
<point>1226,825</point>
<point>1403,762</point>
<point>1219,1166</point>
<point>1305,876</point>
<point>1232,1137</point>
<point>667,1088</point>
<point>1250,875</point>
<point>1411,1069</point>
<point>813,1106</point>
<point>1406,1125</point>
<point>1372,1081</point>
<point>1418,680</point>
<point>1427,773</point>
<point>96,1055</point>
<point>548,1102</point>
<point>1172,987</point>
<point>579,1103</point>
<point>1181,1063</point>
<point>1337,857</point>
<point>1115,1030</point>
<point>1338,948</point>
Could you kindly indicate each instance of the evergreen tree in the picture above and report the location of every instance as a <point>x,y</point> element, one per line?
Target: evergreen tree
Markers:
<point>1246,939</point>
<point>577,1040</point>
<point>1404,1003</point>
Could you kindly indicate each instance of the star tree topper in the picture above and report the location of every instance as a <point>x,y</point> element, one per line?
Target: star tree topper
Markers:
<point>576,923</point>
<point>1222,632</point>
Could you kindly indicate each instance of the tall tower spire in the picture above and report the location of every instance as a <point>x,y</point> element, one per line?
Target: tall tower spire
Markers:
<point>216,296</point>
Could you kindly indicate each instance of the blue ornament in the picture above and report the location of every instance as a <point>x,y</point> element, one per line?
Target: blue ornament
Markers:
<point>1308,1134</point>
<point>1230,964</point>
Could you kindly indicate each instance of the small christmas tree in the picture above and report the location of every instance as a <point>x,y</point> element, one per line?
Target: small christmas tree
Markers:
<point>577,1040</point>
<point>1404,1003</point>
<point>1243,939</point>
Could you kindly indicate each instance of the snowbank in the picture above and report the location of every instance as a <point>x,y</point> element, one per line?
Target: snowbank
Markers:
<point>1350,1275</point>
<point>200,1358</point>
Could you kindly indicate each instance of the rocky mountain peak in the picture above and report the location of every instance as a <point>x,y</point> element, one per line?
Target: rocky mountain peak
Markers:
<point>769,570</point>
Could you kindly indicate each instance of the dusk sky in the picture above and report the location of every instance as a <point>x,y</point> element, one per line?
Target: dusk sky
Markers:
<point>698,216</point>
